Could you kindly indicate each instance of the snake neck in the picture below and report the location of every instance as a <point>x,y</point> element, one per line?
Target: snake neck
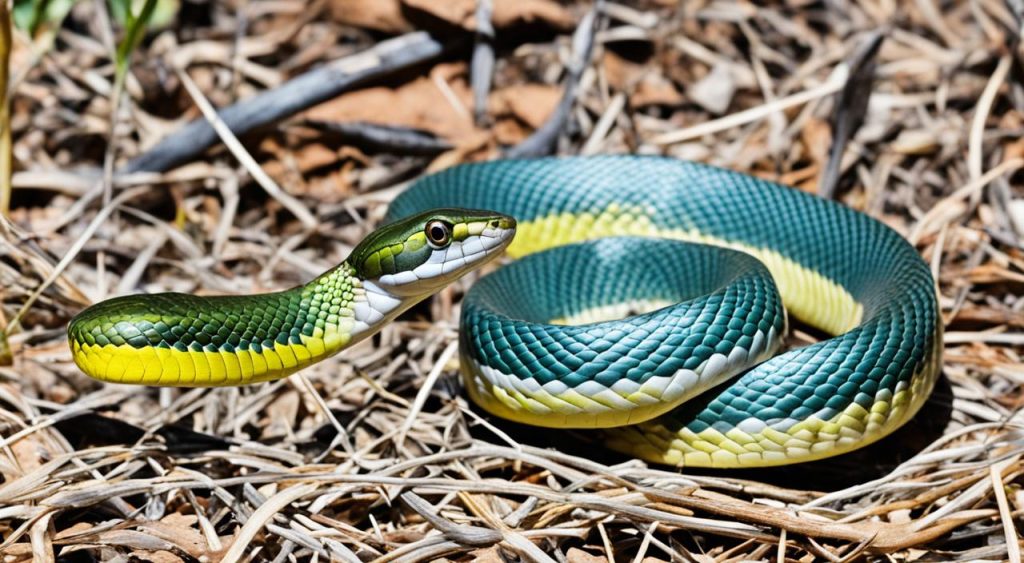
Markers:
<point>231,339</point>
<point>347,307</point>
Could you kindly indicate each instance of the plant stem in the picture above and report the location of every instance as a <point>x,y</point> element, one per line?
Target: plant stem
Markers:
<point>6,163</point>
<point>135,29</point>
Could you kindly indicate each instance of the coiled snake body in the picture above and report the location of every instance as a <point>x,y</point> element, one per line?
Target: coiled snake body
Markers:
<point>544,340</point>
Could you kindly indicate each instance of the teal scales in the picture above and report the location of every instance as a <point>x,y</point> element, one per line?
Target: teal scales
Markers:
<point>649,299</point>
<point>836,269</point>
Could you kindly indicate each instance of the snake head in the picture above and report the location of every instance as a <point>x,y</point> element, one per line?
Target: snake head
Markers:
<point>419,255</point>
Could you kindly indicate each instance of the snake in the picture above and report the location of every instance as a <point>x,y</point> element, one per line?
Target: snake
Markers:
<point>645,297</point>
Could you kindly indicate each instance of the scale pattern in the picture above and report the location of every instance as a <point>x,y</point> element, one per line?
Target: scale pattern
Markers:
<point>728,316</point>
<point>186,340</point>
<point>183,339</point>
<point>836,269</point>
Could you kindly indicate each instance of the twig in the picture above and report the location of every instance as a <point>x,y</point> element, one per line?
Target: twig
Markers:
<point>925,223</point>
<point>424,392</point>
<point>821,551</point>
<point>481,67</point>
<point>133,274</point>
<point>1001,199</point>
<point>604,125</point>
<point>385,138</point>
<point>1012,338</point>
<point>72,253</point>
<point>262,516</point>
<point>833,84</point>
<point>996,475</point>
<point>116,97</point>
<point>981,113</point>
<point>542,141</point>
<point>297,94</point>
<point>6,355</point>
<point>464,535</point>
<point>6,148</point>
<point>646,542</point>
<point>851,105</point>
<point>243,156</point>
<point>306,386</point>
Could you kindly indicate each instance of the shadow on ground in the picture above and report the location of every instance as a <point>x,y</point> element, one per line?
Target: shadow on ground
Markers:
<point>872,462</point>
<point>825,475</point>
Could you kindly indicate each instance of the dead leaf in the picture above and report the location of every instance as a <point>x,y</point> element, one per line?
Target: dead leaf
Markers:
<point>577,555</point>
<point>915,141</point>
<point>179,530</point>
<point>313,156</point>
<point>655,90</point>
<point>475,147</point>
<point>512,12</point>
<point>134,540</point>
<point>15,553</point>
<point>28,452</point>
<point>901,516</point>
<point>381,15</point>
<point>805,179</point>
<point>156,556</point>
<point>817,137</point>
<point>506,13</point>
<point>530,103</point>
<point>456,12</point>
<point>714,92</point>
<point>510,131</point>
<point>487,555</point>
<point>422,103</point>
<point>76,529</point>
<point>1014,149</point>
<point>621,73</point>
<point>282,414</point>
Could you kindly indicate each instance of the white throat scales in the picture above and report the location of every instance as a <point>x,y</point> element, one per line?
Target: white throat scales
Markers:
<point>374,305</point>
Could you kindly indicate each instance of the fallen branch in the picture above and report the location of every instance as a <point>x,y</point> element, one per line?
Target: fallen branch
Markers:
<point>392,139</point>
<point>542,141</point>
<point>299,93</point>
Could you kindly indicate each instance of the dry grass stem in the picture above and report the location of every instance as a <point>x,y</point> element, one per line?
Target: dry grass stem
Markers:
<point>377,454</point>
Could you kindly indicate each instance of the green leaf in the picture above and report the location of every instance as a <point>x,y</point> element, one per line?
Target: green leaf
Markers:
<point>124,11</point>
<point>164,13</point>
<point>136,17</point>
<point>32,15</point>
<point>26,14</point>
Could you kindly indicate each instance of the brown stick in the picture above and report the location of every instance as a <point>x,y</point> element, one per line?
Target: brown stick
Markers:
<point>297,94</point>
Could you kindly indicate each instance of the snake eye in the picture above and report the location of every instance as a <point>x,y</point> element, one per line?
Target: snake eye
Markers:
<point>438,233</point>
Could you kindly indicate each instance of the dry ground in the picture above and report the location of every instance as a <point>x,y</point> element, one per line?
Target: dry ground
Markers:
<point>377,455</point>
